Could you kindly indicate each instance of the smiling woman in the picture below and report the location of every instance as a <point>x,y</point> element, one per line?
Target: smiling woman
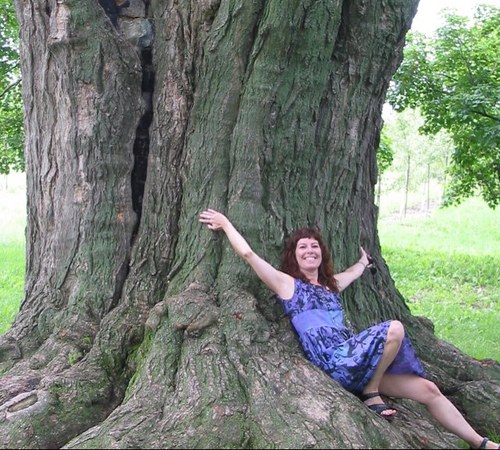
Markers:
<point>305,254</point>
<point>308,254</point>
<point>378,360</point>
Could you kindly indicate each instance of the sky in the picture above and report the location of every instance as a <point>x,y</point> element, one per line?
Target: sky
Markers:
<point>428,17</point>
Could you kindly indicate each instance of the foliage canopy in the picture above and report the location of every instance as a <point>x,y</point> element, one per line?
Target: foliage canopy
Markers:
<point>453,78</point>
<point>385,152</point>
<point>11,113</point>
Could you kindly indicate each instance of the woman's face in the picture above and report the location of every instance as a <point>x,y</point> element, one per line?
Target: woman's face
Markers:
<point>308,254</point>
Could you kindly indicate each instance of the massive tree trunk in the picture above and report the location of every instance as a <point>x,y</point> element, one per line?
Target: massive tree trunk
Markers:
<point>139,327</point>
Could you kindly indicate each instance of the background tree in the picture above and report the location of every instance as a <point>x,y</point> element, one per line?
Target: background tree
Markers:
<point>419,163</point>
<point>385,156</point>
<point>453,79</point>
<point>139,328</point>
<point>11,117</point>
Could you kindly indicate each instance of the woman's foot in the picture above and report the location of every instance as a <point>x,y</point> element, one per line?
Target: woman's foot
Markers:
<point>373,401</point>
<point>486,443</point>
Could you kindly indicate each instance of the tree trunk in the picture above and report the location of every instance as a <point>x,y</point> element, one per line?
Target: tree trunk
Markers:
<point>139,327</point>
<point>445,179</point>
<point>407,185</point>
<point>379,191</point>
<point>428,189</point>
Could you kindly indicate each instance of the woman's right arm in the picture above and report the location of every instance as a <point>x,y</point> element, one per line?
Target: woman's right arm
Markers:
<point>279,282</point>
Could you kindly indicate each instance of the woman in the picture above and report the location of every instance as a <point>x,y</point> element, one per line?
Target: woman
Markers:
<point>377,360</point>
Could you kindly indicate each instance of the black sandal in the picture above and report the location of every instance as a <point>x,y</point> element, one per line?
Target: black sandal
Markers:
<point>379,408</point>
<point>483,443</point>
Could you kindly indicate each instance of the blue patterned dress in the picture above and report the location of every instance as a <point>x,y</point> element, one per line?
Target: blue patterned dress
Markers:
<point>351,359</point>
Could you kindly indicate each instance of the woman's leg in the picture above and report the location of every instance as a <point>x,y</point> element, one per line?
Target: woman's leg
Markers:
<point>426,392</point>
<point>395,336</point>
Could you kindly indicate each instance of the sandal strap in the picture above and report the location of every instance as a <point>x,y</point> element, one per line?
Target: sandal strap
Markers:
<point>483,442</point>
<point>369,395</point>
<point>380,407</point>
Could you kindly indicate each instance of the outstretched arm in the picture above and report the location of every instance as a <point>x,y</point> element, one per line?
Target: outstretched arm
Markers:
<point>279,282</point>
<point>352,273</point>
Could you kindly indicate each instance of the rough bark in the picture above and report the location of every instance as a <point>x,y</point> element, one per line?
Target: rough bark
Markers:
<point>139,328</point>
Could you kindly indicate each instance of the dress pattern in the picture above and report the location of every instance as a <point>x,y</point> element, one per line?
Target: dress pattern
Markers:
<point>351,359</point>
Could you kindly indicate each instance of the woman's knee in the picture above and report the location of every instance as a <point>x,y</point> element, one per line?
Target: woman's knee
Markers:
<point>396,331</point>
<point>429,391</point>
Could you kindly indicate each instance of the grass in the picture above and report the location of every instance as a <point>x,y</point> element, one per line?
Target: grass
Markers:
<point>12,247</point>
<point>11,282</point>
<point>447,266</point>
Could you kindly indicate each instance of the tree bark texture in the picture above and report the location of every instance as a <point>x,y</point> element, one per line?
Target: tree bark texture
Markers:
<point>139,327</point>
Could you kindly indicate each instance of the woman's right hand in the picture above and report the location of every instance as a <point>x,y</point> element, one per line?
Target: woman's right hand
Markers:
<point>365,258</point>
<point>280,283</point>
<point>213,219</point>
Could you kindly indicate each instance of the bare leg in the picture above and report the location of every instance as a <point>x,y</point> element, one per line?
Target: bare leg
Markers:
<point>395,336</point>
<point>426,392</point>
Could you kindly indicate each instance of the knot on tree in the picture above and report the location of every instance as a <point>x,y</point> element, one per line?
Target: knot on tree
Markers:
<point>192,310</point>
<point>24,404</point>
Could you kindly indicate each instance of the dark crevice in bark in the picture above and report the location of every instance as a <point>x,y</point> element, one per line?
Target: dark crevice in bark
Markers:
<point>253,45</point>
<point>141,144</point>
<point>339,50</point>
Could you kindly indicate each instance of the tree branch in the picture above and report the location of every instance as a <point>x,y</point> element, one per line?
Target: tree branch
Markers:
<point>9,87</point>
<point>485,114</point>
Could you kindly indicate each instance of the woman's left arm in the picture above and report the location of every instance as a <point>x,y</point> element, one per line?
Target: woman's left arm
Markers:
<point>352,273</point>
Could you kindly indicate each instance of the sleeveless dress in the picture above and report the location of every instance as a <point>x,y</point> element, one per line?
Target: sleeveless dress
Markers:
<point>351,359</point>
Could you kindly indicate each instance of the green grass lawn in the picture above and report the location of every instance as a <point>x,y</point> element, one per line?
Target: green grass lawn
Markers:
<point>447,266</point>
<point>11,281</point>
<point>12,247</point>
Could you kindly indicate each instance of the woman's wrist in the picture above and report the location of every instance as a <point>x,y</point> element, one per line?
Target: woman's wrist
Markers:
<point>362,263</point>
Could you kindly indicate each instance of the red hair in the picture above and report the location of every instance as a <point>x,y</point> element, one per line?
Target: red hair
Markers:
<point>290,265</point>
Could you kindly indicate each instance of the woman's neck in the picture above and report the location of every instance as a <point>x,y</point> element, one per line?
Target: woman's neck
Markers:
<point>312,277</point>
